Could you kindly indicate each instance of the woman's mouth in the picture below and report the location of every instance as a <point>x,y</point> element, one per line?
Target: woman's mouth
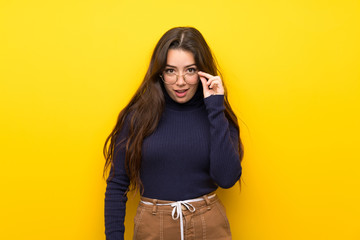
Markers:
<point>181,93</point>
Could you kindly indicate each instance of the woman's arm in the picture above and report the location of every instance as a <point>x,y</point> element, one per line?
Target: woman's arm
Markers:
<point>225,167</point>
<point>115,197</point>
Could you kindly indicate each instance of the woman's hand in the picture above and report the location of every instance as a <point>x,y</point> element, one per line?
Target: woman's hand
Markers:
<point>212,85</point>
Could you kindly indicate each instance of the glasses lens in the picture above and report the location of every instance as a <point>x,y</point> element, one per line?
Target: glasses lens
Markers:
<point>191,78</point>
<point>169,78</point>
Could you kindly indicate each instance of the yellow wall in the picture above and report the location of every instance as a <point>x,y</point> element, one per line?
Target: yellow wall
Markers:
<point>293,73</point>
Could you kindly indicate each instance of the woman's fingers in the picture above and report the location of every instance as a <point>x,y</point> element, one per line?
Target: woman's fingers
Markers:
<point>204,74</point>
<point>214,80</point>
<point>211,84</point>
<point>207,92</point>
<point>204,82</point>
<point>215,83</point>
<point>210,78</point>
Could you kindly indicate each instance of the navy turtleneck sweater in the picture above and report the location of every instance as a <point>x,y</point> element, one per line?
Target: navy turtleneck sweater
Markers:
<point>192,152</point>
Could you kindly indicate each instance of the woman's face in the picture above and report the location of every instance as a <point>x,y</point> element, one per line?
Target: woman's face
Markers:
<point>180,62</point>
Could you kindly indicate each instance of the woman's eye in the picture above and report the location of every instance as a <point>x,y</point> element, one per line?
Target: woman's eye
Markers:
<point>191,70</point>
<point>169,70</point>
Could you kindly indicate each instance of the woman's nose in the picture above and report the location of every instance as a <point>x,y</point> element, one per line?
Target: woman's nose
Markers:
<point>181,80</point>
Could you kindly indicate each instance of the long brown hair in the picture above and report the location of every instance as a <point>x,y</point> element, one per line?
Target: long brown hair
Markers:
<point>147,104</point>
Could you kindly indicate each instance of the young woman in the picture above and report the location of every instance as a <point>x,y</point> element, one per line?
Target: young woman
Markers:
<point>176,142</point>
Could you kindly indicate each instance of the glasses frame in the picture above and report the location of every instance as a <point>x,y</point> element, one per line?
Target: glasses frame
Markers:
<point>177,77</point>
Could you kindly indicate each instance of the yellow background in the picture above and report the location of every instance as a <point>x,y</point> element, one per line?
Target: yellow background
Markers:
<point>292,71</point>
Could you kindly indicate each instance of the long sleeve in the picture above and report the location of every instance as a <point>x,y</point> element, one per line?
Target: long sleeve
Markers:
<point>115,197</point>
<point>225,167</point>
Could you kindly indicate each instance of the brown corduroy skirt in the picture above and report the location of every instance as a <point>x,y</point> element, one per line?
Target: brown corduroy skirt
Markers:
<point>203,218</point>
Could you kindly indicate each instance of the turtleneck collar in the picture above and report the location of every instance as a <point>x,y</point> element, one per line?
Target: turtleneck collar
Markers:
<point>197,101</point>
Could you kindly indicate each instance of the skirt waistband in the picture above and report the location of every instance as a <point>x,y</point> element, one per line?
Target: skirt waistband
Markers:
<point>166,204</point>
<point>179,206</point>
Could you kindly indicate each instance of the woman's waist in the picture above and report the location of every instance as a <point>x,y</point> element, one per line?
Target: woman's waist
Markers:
<point>197,202</point>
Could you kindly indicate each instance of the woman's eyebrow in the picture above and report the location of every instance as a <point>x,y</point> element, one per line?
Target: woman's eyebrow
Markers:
<point>168,65</point>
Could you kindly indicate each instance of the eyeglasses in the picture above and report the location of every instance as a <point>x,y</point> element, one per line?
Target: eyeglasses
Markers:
<point>171,77</point>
